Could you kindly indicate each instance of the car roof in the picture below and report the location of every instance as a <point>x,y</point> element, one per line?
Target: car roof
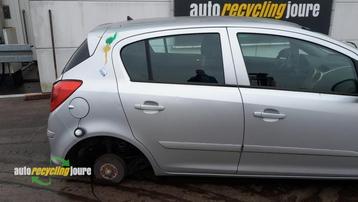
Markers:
<point>140,26</point>
<point>196,22</point>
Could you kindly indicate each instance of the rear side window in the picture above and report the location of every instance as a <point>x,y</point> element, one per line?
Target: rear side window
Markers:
<point>80,55</point>
<point>182,59</point>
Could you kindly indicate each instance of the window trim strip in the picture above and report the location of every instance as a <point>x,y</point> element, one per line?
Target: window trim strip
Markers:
<point>149,61</point>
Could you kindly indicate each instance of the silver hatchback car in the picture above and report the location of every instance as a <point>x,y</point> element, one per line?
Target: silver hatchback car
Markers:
<point>216,96</point>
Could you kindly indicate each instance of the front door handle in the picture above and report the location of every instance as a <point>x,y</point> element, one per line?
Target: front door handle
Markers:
<point>149,107</point>
<point>269,115</point>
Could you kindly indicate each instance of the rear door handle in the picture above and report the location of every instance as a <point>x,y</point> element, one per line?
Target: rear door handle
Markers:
<point>269,115</point>
<point>149,107</point>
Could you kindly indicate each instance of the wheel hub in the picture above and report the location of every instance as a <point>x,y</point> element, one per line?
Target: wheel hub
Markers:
<point>109,171</point>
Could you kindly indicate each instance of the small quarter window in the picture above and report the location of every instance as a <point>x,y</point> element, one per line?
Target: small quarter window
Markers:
<point>80,55</point>
<point>170,60</point>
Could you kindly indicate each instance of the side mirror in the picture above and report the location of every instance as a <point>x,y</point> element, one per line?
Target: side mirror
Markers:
<point>346,86</point>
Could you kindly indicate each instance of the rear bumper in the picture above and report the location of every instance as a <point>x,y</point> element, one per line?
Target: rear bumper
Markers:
<point>57,148</point>
<point>60,133</point>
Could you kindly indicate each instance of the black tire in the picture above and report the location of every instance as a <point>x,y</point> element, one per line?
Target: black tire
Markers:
<point>109,169</point>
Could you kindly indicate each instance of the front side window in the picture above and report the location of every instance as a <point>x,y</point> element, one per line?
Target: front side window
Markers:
<point>170,60</point>
<point>285,63</point>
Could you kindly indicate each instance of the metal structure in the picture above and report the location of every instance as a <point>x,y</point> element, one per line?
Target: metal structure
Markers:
<point>10,53</point>
<point>14,53</point>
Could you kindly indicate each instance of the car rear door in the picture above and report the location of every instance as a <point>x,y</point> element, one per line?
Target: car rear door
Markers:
<point>181,99</point>
<point>300,102</point>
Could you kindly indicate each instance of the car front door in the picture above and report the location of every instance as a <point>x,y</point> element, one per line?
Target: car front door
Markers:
<point>180,98</point>
<point>300,102</point>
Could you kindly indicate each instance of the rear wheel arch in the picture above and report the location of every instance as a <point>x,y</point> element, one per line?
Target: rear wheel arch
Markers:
<point>86,151</point>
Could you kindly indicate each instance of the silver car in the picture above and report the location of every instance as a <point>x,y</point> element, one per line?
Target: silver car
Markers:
<point>213,96</point>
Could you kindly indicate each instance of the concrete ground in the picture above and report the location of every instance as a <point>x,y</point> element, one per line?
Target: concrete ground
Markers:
<point>23,142</point>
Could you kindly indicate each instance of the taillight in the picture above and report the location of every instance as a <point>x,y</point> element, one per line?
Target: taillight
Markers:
<point>62,90</point>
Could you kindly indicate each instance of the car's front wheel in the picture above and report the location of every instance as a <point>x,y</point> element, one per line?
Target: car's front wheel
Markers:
<point>109,169</point>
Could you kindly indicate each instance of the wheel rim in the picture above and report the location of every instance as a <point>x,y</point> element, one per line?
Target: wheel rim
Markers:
<point>109,171</point>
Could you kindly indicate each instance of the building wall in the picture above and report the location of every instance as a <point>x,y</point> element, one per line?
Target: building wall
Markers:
<point>15,20</point>
<point>344,23</point>
<point>72,20</point>
<point>25,5</point>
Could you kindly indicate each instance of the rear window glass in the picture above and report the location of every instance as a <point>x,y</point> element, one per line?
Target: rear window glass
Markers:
<point>179,59</point>
<point>80,55</point>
